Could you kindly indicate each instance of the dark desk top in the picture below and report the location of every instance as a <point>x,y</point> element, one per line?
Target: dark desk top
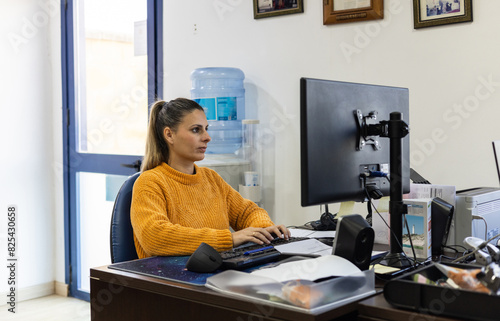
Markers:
<point>205,296</point>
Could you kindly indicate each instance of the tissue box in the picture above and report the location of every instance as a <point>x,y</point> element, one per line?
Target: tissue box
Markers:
<point>419,223</point>
<point>445,192</point>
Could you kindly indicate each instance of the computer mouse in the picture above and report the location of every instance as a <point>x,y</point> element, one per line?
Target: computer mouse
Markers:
<point>204,260</point>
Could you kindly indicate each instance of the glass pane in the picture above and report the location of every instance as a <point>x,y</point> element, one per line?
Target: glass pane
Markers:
<point>111,75</point>
<point>95,204</point>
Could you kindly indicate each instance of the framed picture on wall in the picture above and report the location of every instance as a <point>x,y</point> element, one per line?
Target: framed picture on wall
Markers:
<point>429,13</point>
<point>342,11</point>
<point>269,8</point>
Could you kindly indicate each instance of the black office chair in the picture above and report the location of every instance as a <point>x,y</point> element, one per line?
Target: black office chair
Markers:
<point>121,236</point>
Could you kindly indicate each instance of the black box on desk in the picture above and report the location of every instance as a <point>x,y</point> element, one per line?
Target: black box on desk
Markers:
<point>436,300</point>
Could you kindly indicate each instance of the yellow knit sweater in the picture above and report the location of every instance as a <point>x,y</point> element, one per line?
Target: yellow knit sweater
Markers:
<point>172,213</point>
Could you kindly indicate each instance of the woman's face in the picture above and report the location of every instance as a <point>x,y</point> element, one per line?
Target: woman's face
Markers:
<point>189,142</point>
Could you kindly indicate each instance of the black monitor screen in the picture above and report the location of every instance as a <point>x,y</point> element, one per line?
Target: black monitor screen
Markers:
<point>333,161</point>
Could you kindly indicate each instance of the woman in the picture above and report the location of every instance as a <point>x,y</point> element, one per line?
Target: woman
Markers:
<point>177,205</point>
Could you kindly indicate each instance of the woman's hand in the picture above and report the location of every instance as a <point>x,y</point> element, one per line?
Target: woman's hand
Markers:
<point>260,235</point>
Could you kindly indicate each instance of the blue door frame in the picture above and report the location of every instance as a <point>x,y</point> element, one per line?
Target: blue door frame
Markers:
<point>74,162</point>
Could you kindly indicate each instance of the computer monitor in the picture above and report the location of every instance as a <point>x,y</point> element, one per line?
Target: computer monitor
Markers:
<point>332,164</point>
<point>346,144</point>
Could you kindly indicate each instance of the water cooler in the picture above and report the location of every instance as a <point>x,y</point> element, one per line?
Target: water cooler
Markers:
<point>221,93</point>
<point>232,152</point>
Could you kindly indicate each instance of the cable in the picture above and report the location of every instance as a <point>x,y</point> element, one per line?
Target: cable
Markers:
<point>377,174</point>
<point>449,258</point>
<point>308,225</point>
<point>415,263</point>
<point>369,216</point>
<point>457,245</point>
<point>445,257</point>
<point>476,217</point>
<point>476,249</point>
<point>327,219</point>
<point>409,237</point>
<point>374,174</point>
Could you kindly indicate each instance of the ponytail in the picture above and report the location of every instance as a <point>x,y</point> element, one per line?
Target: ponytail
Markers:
<point>163,115</point>
<point>156,147</point>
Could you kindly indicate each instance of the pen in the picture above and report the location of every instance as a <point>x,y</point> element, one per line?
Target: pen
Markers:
<point>258,250</point>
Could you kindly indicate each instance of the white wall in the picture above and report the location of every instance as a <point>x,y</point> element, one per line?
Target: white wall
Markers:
<point>443,67</point>
<point>57,142</point>
<point>30,135</point>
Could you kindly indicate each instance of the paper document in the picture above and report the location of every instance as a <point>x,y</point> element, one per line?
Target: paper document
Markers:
<point>310,246</point>
<point>309,269</point>
<point>299,232</point>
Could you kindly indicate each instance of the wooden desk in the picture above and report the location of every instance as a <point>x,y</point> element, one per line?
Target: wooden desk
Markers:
<point>118,295</point>
<point>377,308</point>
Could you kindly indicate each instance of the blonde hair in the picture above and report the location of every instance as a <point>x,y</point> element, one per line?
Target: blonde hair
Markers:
<point>164,114</point>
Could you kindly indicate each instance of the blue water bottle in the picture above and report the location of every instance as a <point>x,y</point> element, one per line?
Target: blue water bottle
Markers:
<point>221,93</point>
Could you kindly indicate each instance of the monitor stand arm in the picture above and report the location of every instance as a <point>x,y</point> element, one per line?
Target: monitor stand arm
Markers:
<point>395,129</point>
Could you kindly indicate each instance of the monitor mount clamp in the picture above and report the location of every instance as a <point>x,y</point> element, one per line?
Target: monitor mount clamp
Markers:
<point>367,133</point>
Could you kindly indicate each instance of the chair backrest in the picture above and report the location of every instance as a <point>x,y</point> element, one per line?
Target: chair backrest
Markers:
<point>121,236</point>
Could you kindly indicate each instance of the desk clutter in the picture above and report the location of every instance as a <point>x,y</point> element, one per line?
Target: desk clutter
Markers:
<point>299,273</point>
<point>455,290</point>
<point>312,285</point>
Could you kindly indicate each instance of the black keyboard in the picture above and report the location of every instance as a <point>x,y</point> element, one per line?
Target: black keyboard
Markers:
<point>251,254</point>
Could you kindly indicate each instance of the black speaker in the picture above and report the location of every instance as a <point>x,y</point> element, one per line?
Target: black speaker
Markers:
<point>442,215</point>
<point>354,240</point>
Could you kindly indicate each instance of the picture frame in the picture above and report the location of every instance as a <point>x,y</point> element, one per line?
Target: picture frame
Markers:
<point>430,13</point>
<point>343,11</point>
<point>270,8</point>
